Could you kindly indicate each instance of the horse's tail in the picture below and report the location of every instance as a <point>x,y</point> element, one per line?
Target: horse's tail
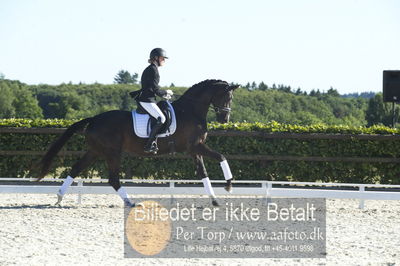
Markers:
<point>45,163</point>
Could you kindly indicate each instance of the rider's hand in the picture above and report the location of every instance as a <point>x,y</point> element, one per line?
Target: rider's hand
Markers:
<point>167,97</point>
<point>169,92</point>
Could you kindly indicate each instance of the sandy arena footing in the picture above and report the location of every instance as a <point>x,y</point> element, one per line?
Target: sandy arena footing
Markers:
<point>34,232</point>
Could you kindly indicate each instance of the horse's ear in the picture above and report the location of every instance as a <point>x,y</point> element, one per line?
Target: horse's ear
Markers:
<point>233,87</point>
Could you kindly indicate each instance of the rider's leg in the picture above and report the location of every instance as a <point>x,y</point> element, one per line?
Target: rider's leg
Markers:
<point>155,112</point>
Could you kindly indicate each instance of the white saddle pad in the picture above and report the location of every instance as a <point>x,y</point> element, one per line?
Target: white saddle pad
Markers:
<point>142,128</point>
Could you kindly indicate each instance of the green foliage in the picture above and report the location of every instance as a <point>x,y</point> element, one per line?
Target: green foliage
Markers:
<point>379,112</point>
<point>243,170</point>
<point>69,101</point>
<point>124,77</point>
<point>274,126</point>
<point>17,101</point>
<point>268,105</point>
<point>263,104</point>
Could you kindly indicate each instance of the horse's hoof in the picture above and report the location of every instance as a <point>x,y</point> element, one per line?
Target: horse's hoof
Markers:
<point>228,188</point>
<point>215,203</point>
<point>152,152</point>
<point>129,204</point>
<point>59,199</point>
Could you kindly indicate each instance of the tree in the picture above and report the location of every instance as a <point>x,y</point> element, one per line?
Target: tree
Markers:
<point>333,92</point>
<point>253,86</point>
<point>124,77</point>
<point>135,78</point>
<point>2,76</point>
<point>379,112</point>
<point>262,86</point>
<point>26,106</point>
<point>17,101</point>
<point>284,88</point>
<point>7,109</point>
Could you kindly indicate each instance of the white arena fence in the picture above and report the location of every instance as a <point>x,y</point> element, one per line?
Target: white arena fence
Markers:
<point>195,187</point>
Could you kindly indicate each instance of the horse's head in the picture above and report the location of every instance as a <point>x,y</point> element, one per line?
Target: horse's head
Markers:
<point>213,92</point>
<point>222,101</point>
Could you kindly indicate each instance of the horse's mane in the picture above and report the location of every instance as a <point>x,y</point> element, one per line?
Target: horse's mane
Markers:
<point>202,84</point>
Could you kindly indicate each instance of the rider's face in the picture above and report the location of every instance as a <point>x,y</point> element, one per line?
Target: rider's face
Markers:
<point>161,60</point>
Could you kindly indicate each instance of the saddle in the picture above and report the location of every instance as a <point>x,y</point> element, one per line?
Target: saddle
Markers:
<point>143,122</point>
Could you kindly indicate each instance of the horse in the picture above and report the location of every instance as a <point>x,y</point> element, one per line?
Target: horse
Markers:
<point>111,133</point>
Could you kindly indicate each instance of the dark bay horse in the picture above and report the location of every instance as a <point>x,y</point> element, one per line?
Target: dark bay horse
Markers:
<point>111,133</point>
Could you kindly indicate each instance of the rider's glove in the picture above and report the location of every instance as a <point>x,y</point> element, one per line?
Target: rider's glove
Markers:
<point>169,94</point>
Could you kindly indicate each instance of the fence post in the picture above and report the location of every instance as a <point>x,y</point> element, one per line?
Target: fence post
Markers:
<point>268,187</point>
<point>80,185</point>
<point>361,204</point>
<point>171,186</point>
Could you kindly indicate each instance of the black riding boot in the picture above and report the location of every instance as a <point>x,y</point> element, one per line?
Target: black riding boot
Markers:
<point>151,146</point>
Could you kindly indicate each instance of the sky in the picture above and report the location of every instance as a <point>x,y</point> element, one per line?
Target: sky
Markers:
<point>311,44</point>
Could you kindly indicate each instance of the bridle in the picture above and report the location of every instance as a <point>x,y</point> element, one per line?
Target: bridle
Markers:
<point>219,110</point>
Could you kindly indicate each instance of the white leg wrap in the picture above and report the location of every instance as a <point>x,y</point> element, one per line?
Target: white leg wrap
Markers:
<point>225,168</point>
<point>67,182</point>
<point>208,187</point>
<point>122,193</point>
<point>124,196</point>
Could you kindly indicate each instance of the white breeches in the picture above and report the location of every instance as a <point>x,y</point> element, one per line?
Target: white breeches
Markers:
<point>153,110</point>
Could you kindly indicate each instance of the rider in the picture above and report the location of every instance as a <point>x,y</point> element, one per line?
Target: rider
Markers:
<point>147,98</point>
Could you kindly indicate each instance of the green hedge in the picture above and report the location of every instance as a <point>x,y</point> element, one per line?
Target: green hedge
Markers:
<point>157,168</point>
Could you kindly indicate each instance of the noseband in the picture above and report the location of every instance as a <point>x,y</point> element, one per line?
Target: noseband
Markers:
<point>219,110</point>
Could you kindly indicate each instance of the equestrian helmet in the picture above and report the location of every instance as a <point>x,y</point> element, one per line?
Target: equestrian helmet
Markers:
<point>158,52</point>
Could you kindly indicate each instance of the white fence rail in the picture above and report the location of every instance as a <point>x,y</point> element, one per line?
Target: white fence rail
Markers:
<point>195,187</point>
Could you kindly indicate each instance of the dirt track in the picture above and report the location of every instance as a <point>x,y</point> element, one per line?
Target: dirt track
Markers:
<point>33,232</point>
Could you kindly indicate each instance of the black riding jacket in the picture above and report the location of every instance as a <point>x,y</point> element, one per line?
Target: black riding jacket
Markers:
<point>150,79</point>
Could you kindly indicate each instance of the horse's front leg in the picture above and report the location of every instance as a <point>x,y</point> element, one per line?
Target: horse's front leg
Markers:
<point>202,173</point>
<point>204,150</point>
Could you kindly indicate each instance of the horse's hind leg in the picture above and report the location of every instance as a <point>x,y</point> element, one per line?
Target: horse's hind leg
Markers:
<point>114,161</point>
<point>78,167</point>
